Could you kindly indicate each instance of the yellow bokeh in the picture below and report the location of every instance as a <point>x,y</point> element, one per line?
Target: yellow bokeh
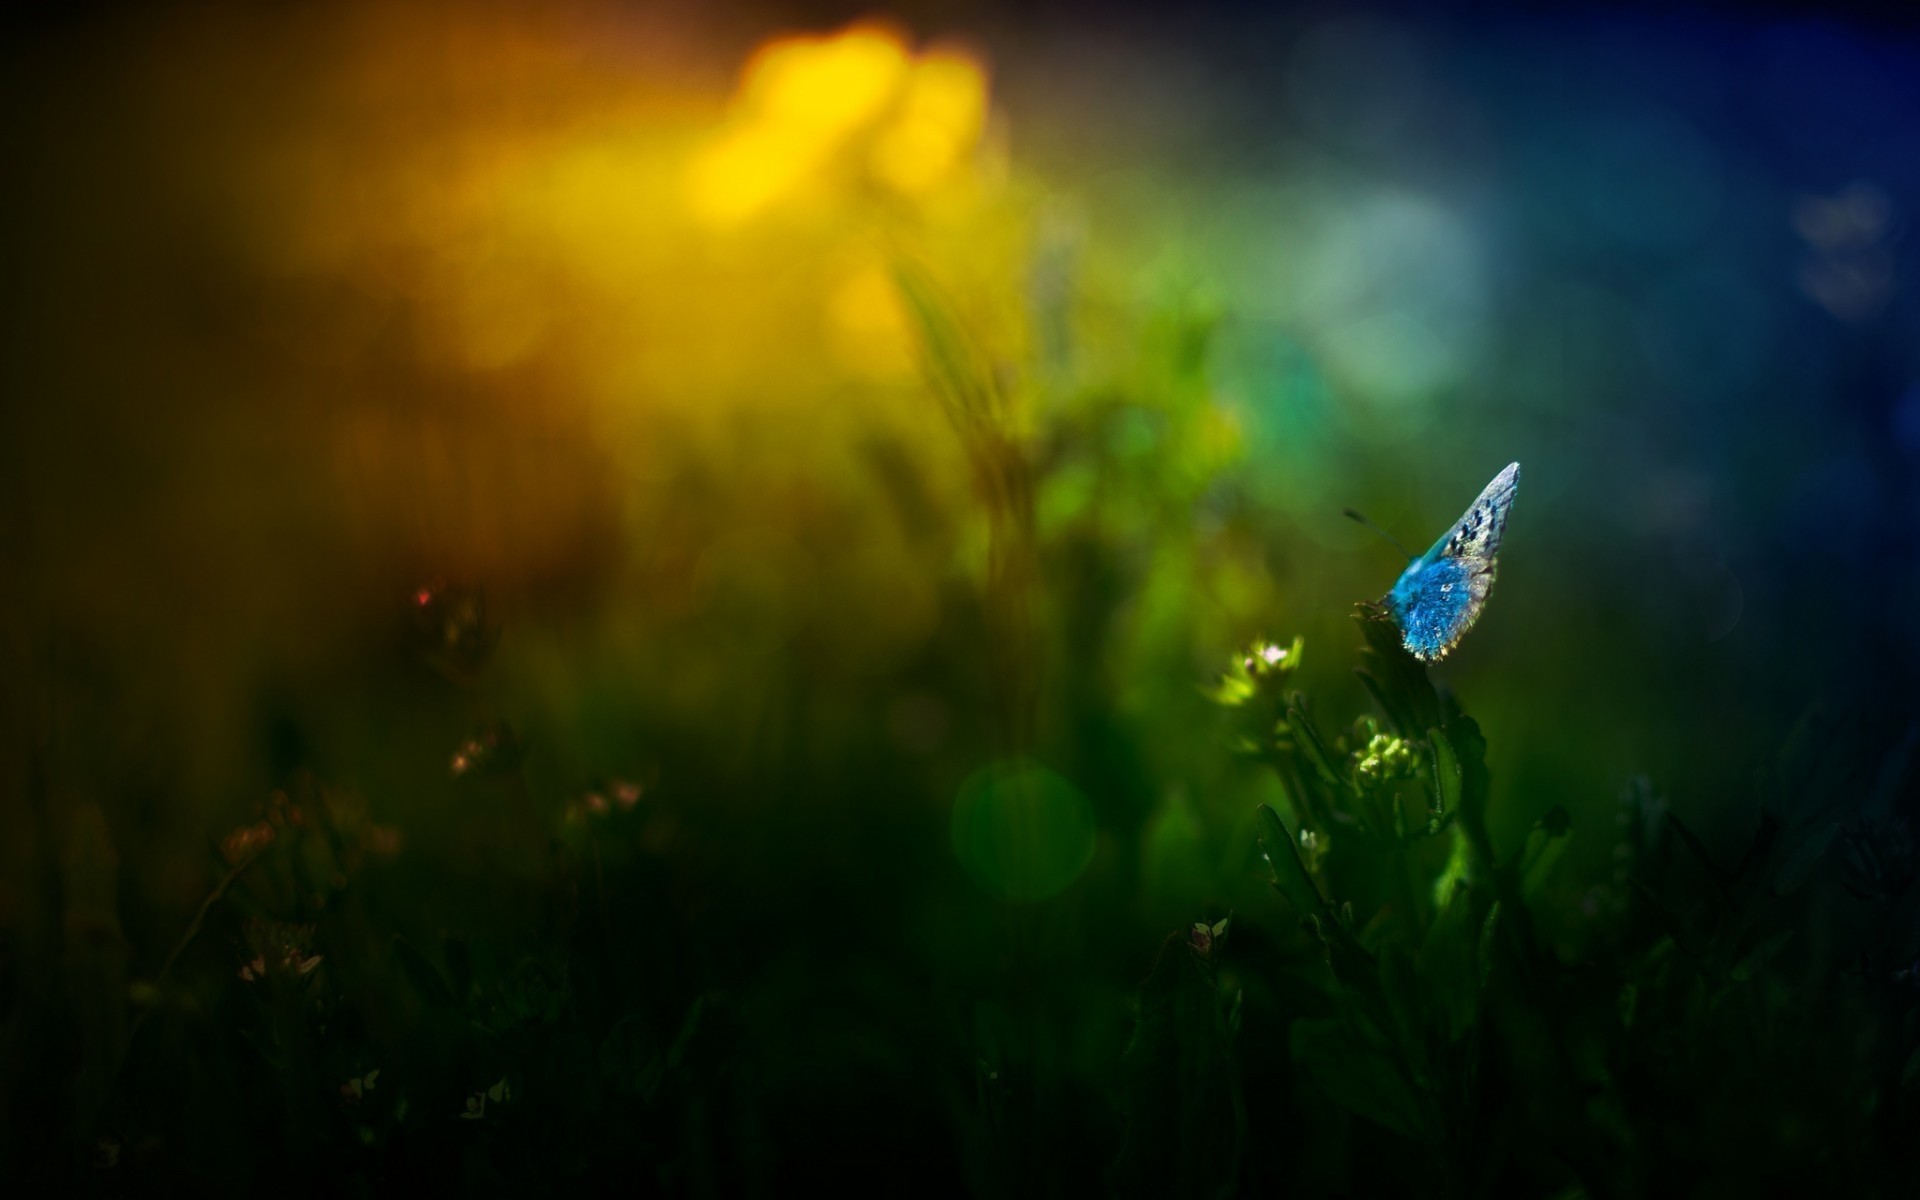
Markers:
<point>940,119</point>
<point>825,86</point>
<point>816,113</point>
<point>747,171</point>
<point>868,324</point>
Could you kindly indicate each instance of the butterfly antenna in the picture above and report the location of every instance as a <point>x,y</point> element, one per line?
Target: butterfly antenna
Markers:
<point>1391,540</point>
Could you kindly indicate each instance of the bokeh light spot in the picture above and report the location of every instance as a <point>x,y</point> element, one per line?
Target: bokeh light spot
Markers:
<point>868,324</point>
<point>810,107</point>
<point>1395,292</point>
<point>799,100</point>
<point>1022,832</point>
<point>828,85</point>
<point>942,115</point>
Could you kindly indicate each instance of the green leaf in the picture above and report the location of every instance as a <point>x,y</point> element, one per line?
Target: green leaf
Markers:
<point>1446,966</point>
<point>1232,691</point>
<point>689,1029</point>
<point>1489,944</point>
<point>1307,738</point>
<point>1699,849</point>
<point>1539,868</point>
<point>460,965</point>
<point>1394,713</point>
<point>427,981</point>
<point>1290,876</point>
<point>1177,1090</point>
<point>1401,986</point>
<point>1446,771</point>
<point>1456,876</point>
<point>1399,682</point>
<point>1356,1071</point>
<point>1799,864</point>
<point>630,1061</point>
<point>1547,842</point>
<point>1757,958</point>
<point>1628,1004</point>
<point>1757,850</point>
<point>961,379</point>
<point>1470,752</point>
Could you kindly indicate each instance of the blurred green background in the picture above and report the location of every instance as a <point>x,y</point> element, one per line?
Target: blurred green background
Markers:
<point>759,500</point>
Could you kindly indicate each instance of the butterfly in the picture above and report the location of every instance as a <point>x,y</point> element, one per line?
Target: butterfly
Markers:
<point>1440,594</point>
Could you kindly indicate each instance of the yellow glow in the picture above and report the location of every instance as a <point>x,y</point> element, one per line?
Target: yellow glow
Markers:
<point>869,326</point>
<point>597,202</point>
<point>941,117</point>
<point>799,100</point>
<point>812,111</point>
<point>825,86</point>
<point>749,170</point>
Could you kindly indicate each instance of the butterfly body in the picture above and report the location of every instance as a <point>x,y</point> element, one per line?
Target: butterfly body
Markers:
<point>1440,594</point>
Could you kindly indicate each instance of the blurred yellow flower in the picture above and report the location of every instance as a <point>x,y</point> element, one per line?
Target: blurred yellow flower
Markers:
<point>868,323</point>
<point>807,106</point>
<point>827,86</point>
<point>941,116</point>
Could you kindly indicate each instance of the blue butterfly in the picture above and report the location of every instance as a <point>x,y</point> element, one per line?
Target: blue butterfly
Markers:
<point>1440,594</point>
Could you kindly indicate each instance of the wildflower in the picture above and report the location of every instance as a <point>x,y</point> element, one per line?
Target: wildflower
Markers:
<point>279,813</point>
<point>279,946</point>
<point>245,842</point>
<point>1263,656</point>
<point>1254,669</point>
<point>1880,862</point>
<point>489,751</point>
<point>451,627</point>
<point>1204,937</point>
<point>499,1093</point>
<point>839,114</point>
<point>354,1090</point>
<point>1313,849</point>
<point>1385,758</point>
<point>283,812</point>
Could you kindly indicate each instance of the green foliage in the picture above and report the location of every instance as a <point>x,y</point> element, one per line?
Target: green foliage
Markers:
<point>1469,1055</point>
<point>901,910</point>
<point>1182,1134</point>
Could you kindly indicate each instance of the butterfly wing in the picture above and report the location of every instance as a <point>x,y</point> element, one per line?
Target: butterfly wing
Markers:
<point>1440,595</point>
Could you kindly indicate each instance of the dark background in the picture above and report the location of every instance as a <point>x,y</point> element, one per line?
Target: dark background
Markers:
<point>1237,269</point>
